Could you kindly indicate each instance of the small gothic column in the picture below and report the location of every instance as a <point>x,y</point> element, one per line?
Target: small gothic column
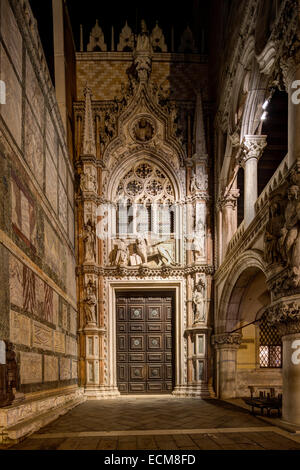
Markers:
<point>253,146</point>
<point>92,329</point>
<point>226,346</point>
<point>285,316</point>
<point>228,207</point>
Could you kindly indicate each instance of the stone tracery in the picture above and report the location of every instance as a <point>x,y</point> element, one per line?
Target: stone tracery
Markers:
<point>145,183</point>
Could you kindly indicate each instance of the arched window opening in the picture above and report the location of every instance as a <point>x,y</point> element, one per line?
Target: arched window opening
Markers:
<point>270,346</point>
<point>149,198</point>
<point>275,126</point>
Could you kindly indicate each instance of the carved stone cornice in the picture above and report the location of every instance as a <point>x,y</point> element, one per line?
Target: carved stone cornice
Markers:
<point>197,196</point>
<point>144,271</point>
<point>227,340</point>
<point>253,147</point>
<point>229,199</point>
<point>285,316</point>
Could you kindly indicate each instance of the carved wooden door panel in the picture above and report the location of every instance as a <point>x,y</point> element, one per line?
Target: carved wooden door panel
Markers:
<point>144,344</point>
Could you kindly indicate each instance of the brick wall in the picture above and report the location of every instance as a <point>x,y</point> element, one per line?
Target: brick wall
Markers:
<point>105,73</point>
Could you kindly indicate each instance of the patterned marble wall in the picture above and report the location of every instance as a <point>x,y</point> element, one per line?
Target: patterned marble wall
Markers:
<point>37,264</point>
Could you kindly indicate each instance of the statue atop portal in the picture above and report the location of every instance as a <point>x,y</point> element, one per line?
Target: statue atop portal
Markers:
<point>143,54</point>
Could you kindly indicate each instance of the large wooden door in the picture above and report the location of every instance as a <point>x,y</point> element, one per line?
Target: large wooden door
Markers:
<point>144,343</point>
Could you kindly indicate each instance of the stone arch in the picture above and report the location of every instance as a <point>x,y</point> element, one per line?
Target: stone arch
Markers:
<point>255,99</point>
<point>144,156</point>
<point>241,73</point>
<point>249,265</point>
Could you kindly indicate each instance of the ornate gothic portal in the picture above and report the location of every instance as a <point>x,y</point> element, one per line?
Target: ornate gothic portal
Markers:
<point>144,246</point>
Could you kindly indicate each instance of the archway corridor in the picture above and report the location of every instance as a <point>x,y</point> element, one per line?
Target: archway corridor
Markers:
<point>160,423</point>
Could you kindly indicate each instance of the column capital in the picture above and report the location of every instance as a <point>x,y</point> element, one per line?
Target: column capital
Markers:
<point>253,147</point>
<point>285,316</point>
<point>229,340</point>
<point>229,199</point>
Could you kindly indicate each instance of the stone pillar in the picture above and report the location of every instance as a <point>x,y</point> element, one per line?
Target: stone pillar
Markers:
<point>59,59</point>
<point>286,317</point>
<point>253,146</point>
<point>228,208</point>
<point>291,73</point>
<point>226,346</point>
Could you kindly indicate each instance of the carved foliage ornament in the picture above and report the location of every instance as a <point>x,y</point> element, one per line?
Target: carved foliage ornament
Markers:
<point>229,199</point>
<point>285,317</point>
<point>253,147</point>
<point>234,339</point>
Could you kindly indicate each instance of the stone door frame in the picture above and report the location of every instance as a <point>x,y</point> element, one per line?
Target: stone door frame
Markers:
<point>178,329</point>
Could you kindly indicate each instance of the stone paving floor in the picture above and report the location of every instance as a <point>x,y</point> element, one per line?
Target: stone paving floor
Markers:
<point>165,423</point>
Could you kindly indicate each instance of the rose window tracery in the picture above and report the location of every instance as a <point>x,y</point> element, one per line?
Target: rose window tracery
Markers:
<point>145,184</point>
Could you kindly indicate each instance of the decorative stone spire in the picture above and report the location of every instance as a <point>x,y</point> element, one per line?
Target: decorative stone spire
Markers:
<point>199,132</point>
<point>88,145</point>
<point>126,39</point>
<point>81,38</point>
<point>97,42</point>
<point>158,39</point>
<point>187,43</point>
<point>112,39</point>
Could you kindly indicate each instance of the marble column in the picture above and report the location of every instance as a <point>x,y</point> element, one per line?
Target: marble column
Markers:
<point>226,346</point>
<point>285,316</point>
<point>253,146</point>
<point>290,66</point>
<point>228,209</point>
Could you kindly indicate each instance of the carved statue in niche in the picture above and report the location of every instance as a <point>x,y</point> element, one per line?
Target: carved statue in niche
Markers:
<point>90,302</point>
<point>174,117</point>
<point>141,249</point>
<point>143,130</point>
<point>143,53</point>
<point>120,254</point>
<point>143,41</point>
<point>199,302</point>
<point>289,241</point>
<point>198,246</point>
<point>89,240</point>
<point>199,182</point>
<point>273,234</point>
<point>88,180</point>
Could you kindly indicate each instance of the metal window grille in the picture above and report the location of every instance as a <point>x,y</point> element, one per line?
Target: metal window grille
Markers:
<point>270,347</point>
